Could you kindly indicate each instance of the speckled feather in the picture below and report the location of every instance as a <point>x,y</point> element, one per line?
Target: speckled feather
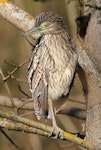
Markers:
<point>52,65</point>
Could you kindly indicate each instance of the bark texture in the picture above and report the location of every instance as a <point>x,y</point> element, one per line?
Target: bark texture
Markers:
<point>92,46</point>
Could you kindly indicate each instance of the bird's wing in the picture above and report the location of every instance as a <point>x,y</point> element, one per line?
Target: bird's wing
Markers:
<point>38,81</point>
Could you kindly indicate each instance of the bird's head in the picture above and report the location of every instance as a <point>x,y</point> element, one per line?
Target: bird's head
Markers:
<point>46,23</point>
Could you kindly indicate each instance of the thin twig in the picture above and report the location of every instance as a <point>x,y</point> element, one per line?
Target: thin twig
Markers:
<point>20,89</point>
<point>19,107</point>
<point>15,69</point>
<point>77,101</point>
<point>28,41</point>
<point>27,114</point>
<point>11,141</point>
<point>7,88</point>
<point>27,104</point>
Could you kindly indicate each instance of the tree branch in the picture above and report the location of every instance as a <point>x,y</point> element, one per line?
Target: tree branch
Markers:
<point>16,16</point>
<point>90,60</point>
<point>26,104</point>
<point>39,128</point>
<point>74,112</point>
<point>10,125</point>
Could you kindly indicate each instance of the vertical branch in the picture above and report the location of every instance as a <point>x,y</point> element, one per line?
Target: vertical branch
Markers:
<point>90,60</point>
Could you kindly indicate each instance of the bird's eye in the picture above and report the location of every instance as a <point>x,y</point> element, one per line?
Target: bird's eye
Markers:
<point>44,25</point>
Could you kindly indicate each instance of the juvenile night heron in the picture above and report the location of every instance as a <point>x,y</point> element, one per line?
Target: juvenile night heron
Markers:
<point>52,64</point>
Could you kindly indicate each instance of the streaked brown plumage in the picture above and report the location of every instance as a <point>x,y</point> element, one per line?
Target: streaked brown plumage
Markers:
<point>53,63</point>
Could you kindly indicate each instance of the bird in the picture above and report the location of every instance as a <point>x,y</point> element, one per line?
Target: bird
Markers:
<point>52,65</point>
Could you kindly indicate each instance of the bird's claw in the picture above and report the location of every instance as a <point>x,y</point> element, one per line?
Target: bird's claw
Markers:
<point>57,133</point>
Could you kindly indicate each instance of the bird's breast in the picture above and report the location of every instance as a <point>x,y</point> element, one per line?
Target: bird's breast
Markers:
<point>59,83</point>
<point>60,60</point>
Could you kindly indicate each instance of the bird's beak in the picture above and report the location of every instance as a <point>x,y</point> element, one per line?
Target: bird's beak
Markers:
<point>32,31</point>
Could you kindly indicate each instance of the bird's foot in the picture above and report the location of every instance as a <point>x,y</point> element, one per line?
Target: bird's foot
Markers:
<point>57,133</point>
